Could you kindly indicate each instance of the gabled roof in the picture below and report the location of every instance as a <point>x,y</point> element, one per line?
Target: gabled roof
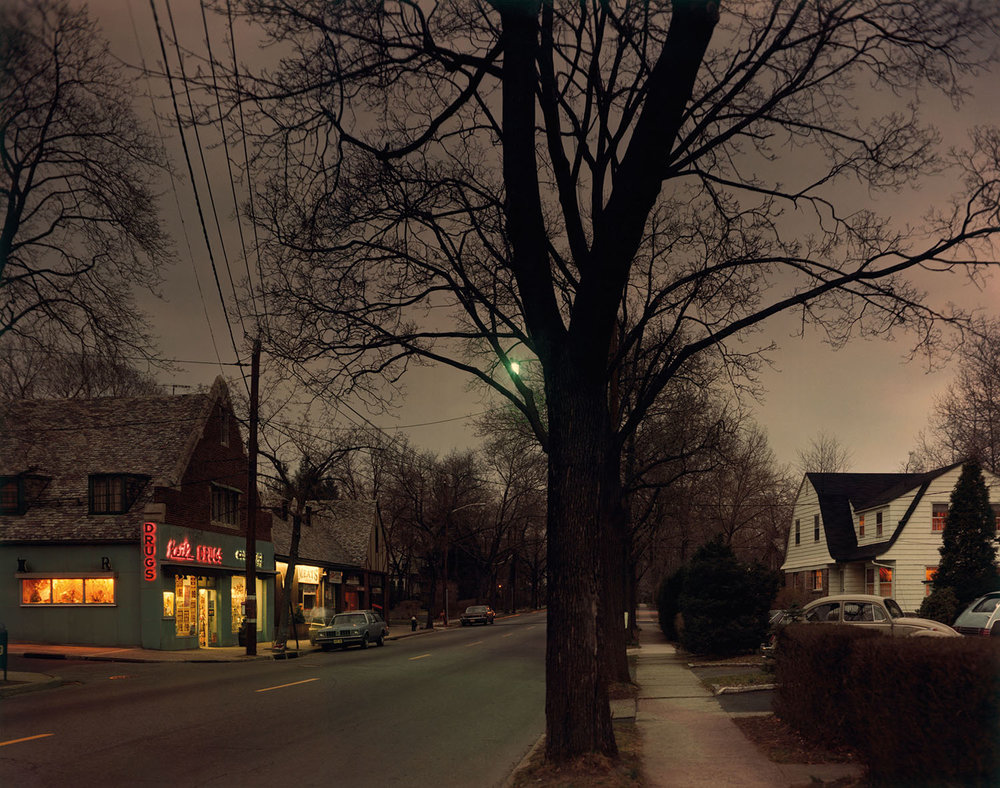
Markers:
<point>842,494</point>
<point>338,533</point>
<point>62,442</point>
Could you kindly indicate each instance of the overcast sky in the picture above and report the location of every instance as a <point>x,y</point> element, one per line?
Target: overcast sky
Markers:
<point>865,395</point>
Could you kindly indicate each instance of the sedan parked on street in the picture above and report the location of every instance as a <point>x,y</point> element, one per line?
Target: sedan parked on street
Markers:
<point>878,613</point>
<point>982,617</point>
<point>478,614</point>
<point>357,628</point>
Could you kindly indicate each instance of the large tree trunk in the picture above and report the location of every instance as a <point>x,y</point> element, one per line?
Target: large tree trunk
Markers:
<point>287,603</point>
<point>614,563</point>
<point>577,712</point>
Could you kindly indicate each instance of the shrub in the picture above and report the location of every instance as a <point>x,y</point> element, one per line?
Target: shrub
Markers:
<point>926,710</point>
<point>668,603</point>
<point>941,605</point>
<point>725,603</point>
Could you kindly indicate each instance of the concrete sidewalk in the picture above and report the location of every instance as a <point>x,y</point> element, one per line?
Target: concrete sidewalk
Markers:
<point>689,740</point>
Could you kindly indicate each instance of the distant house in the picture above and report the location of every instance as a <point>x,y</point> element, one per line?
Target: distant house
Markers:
<point>876,533</point>
<point>342,557</point>
<point>123,522</point>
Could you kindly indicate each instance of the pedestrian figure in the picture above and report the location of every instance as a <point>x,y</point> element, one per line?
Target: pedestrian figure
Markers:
<point>413,623</point>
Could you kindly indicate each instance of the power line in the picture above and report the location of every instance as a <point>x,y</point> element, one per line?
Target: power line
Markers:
<point>187,159</point>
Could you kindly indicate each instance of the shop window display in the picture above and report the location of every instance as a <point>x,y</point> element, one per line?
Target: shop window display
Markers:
<point>186,605</point>
<point>68,591</point>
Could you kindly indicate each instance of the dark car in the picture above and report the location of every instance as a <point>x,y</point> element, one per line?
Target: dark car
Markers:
<point>478,614</point>
<point>982,617</point>
<point>357,628</point>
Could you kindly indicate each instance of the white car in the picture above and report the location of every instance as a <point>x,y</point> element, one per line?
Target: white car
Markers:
<point>879,613</point>
<point>982,617</point>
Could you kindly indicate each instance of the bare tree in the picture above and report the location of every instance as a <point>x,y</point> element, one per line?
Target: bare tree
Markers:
<point>965,423</point>
<point>560,181</point>
<point>825,454</point>
<point>79,220</point>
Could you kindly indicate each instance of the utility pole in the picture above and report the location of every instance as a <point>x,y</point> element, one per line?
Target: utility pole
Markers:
<point>251,551</point>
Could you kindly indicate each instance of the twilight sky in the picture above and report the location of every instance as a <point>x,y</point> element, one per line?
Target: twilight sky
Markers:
<point>866,394</point>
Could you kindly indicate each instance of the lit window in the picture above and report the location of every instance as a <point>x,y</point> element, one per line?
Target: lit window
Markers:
<point>884,581</point>
<point>861,525</point>
<point>225,505</point>
<point>817,580</point>
<point>185,605</point>
<point>939,516</point>
<point>878,523</point>
<point>68,590</point>
<point>929,573</point>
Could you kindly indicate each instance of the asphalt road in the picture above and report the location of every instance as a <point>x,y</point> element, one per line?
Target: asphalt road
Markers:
<point>453,708</point>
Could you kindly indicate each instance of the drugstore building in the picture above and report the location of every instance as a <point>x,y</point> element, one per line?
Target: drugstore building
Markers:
<point>123,523</point>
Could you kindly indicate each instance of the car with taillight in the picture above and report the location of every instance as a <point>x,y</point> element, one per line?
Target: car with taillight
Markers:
<point>982,617</point>
<point>477,614</point>
<point>355,628</point>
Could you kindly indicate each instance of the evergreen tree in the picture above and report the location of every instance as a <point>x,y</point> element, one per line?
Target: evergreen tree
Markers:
<point>968,551</point>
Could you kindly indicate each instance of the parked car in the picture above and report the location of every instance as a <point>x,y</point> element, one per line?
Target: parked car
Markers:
<point>357,628</point>
<point>477,614</point>
<point>879,613</point>
<point>318,618</point>
<point>982,617</point>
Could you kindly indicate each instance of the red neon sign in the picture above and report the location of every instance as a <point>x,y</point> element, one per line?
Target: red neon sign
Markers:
<point>149,551</point>
<point>203,554</point>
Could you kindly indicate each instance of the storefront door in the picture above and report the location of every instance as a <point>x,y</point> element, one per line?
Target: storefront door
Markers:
<point>208,633</point>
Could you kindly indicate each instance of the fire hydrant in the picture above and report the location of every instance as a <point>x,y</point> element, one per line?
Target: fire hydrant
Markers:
<point>413,623</point>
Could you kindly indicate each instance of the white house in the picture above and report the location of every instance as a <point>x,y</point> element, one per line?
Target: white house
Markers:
<point>876,533</point>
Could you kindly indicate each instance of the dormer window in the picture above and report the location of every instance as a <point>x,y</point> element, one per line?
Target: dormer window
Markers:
<point>114,493</point>
<point>11,495</point>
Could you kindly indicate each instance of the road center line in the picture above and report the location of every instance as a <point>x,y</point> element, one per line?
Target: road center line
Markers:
<point>477,643</point>
<point>281,686</point>
<point>419,657</point>
<point>26,738</point>
<point>509,635</point>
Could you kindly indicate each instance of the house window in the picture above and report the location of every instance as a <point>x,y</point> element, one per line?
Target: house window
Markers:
<point>861,525</point>
<point>929,572</point>
<point>68,590</point>
<point>878,580</point>
<point>815,527</point>
<point>11,495</point>
<point>878,523</point>
<point>114,493</point>
<point>996,514</point>
<point>798,538</point>
<point>939,516</point>
<point>817,579</point>
<point>225,505</point>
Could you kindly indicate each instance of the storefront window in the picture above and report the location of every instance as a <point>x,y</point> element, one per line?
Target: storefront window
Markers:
<point>168,604</point>
<point>99,590</point>
<point>186,605</point>
<point>36,591</point>
<point>238,596</point>
<point>68,591</point>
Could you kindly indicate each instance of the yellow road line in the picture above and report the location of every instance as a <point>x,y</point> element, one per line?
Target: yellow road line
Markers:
<point>509,635</point>
<point>476,643</point>
<point>419,657</point>
<point>281,686</point>
<point>26,738</point>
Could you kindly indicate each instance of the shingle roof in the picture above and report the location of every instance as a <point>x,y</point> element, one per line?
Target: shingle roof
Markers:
<point>839,492</point>
<point>338,534</point>
<point>65,441</point>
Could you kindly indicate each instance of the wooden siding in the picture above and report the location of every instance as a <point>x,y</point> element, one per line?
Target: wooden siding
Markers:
<point>918,547</point>
<point>809,553</point>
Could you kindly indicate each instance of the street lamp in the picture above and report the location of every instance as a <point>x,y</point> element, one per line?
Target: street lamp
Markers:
<point>446,520</point>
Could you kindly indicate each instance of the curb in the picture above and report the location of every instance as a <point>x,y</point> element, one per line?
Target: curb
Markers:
<point>30,686</point>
